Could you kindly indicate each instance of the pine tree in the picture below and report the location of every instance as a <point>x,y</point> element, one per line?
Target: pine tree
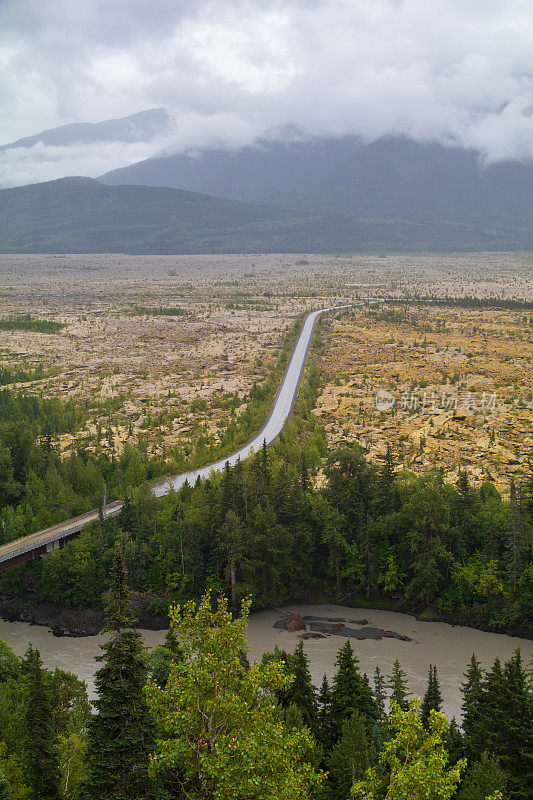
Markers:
<point>473,695</point>
<point>350,692</point>
<point>380,694</point>
<point>121,734</point>
<point>348,759</point>
<point>432,698</point>
<point>42,756</point>
<point>397,683</point>
<point>301,692</point>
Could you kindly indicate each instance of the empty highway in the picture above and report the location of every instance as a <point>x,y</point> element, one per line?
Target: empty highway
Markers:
<point>37,544</point>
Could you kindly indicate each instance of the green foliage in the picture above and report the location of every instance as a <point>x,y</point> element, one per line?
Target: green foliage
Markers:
<point>397,682</point>
<point>483,779</point>
<point>121,733</point>
<point>41,746</point>
<point>25,322</point>
<point>9,662</point>
<point>5,788</point>
<point>348,759</point>
<point>413,763</point>
<point>261,527</point>
<point>432,699</point>
<point>222,733</point>
<point>301,692</point>
<point>161,311</point>
<point>350,692</point>
<point>24,374</point>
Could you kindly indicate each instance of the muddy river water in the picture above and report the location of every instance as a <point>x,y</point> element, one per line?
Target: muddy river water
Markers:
<point>447,646</point>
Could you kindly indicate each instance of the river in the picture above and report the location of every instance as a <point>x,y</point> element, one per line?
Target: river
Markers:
<point>447,646</point>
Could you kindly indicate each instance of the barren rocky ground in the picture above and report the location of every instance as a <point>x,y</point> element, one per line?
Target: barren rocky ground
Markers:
<point>170,377</point>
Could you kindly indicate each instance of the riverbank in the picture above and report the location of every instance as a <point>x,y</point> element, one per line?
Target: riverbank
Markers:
<point>418,644</point>
<point>72,622</point>
<point>68,621</point>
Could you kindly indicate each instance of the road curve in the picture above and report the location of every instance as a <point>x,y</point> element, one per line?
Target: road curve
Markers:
<point>50,538</point>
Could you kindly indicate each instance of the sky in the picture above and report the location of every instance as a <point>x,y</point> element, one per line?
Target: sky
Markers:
<point>230,71</point>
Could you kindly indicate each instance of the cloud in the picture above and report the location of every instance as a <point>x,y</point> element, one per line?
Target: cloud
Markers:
<point>454,71</point>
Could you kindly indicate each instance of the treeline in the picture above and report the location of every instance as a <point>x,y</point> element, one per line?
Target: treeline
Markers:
<point>24,374</point>
<point>155,311</point>
<point>371,534</point>
<point>473,302</point>
<point>25,322</point>
<point>193,719</point>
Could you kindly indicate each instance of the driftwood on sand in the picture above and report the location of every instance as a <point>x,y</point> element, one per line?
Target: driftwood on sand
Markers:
<point>321,627</point>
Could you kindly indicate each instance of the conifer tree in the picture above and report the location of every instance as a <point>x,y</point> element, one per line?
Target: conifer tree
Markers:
<point>5,789</point>
<point>397,683</point>
<point>454,742</point>
<point>301,692</point>
<point>350,692</point>
<point>348,759</point>
<point>367,704</point>
<point>128,518</point>
<point>380,694</point>
<point>473,695</point>
<point>432,698</point>
<point>325,732</point>
<point>514,743</point>
<point>42,756</point>
<point>492,720</point>
<point>483,779</point>
<point>121,734</point>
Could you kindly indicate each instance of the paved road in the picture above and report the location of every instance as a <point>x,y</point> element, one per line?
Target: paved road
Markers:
<point>50,538</point>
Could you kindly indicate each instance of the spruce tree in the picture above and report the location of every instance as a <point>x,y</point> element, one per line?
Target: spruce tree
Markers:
<point>301,692</point>
<point>121,733</point>
<point>492,720</point>
<point>473,695</point>
<point>325,731</point>
<point>397,683</point>
<point>41,750</point>
<point>5,789</point>
<point>367,704</point>
<point>350,692</point>
<point>348,759</point>
<point>484,777</point>
<point>432,698</point>
<point>515,742</point>
<point>380,694</point>
<point>454,743</point>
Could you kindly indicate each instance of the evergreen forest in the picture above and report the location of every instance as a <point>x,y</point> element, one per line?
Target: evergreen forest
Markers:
<point>193,719</point>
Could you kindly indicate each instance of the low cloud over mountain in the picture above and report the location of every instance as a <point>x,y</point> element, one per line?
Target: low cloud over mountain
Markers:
<point>87,148</point>
<point>448,71</point>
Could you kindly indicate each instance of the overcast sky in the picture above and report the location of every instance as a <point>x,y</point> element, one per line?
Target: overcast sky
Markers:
<point>448,70</point>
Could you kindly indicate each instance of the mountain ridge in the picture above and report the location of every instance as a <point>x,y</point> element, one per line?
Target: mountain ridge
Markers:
<point>82,215</point>
<point>142,126</point>
<point>391,178</point>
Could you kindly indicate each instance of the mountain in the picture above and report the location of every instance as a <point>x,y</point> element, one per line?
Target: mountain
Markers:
<point>392,178</point>
<point>141,127</point>
<point>81,215</point>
